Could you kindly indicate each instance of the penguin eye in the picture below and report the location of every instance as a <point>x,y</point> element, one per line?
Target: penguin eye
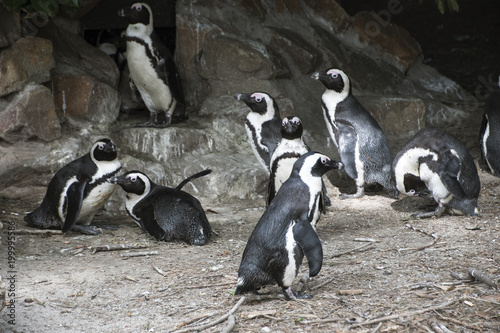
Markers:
<point>101,146</point>
<point>132,178</point>
<point>411,192</point>
<point>333,73</point>
<point>324,160</point>
<point>284,122</point>
<point>137,7</point>
<point>258,99</point>
<point>296,120</point>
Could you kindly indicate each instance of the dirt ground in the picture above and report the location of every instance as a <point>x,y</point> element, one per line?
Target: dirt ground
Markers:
<point>377,263</point>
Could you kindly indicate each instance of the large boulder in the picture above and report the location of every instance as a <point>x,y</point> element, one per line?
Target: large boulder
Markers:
<point>74,56</point>
<point>28,60</point>
<point>28,115</point>
<point>80,97</point>
<point>10,27</point>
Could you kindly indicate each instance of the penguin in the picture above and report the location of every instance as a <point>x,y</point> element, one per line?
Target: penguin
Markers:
<point>361,143</point>
<point>435,161</point>
<point>490,132</point>
<point>289,150</point>
<point>78,190</point>
<point>263,125</point>
<point>284,234</point>
<point>152,67</point>
<point>163,212</point>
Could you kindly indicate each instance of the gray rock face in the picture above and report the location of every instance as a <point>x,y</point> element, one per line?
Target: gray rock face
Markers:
<point>29,115</point>
<point>27,60</point>
<point>10,27</point>
<point>223,49</point>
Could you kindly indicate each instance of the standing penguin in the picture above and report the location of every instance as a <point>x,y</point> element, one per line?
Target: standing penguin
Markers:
<point>151,65</point>
<point>78,190</point>
<point>284,233</point>
<point>263,125</point>
<point>436,161</point>
<point>361,143</point>
<point>490,132</point>
<point>163,212</point>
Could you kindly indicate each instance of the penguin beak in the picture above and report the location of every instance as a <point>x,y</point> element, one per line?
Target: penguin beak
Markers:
<point>243,97</point>
<point>124,12</point>
<point>118,180</point>
<point>335,164</point>
<point>315,76</point>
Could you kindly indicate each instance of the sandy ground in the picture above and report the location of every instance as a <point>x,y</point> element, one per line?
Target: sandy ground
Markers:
<point>378,265</point>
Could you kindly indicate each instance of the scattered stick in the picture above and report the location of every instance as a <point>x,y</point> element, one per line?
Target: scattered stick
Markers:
<point>475,275</point>
<point>375,330</point>
<point>322,284</point>
<point>420,248</point>
<point>405,314</point>
<point>483,277</point>
<point>117,247</point>
<point>231,321</point>
<point>138,254</point>
<point>161,272</point>
<point>38,232</point>
<point>363,247</point>
<point>215,322</point>
<point>206,285</point>
<point>461,323</point>
<point>362,239</point>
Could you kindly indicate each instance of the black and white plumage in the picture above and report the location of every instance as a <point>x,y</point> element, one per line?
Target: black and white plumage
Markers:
<point>152,67</point>
<point>78,190</point>
<point>163,212</point>
<point>290,148</point>
<point>284,233</point>
<point>361,143</point>
<point>263,125</point>
<point>490,132</point>
<point>435,161</point>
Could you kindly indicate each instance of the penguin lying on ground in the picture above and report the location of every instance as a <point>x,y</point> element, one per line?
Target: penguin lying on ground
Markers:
<point>289,150</point>
<point>163,212</point>
<point>78,190</point>
<point>284,233</point>
<point>490,132</point>
<point>361,143</point>
<point>152,67</point>
<point>263,125</point>
<point>436,161</point>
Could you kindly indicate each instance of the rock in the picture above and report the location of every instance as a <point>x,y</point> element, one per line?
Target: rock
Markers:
<point>30,115</point>
<point>230,58</point>
<point>74,56</point>
<point>331,15</point>
<point>400,117</point>
<point>80,97</point>
<point>29,60</point>
<point>393,42</point>
<point>10,27</point>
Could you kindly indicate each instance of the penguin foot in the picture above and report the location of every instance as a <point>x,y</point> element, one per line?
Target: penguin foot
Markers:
<point>359,193</point>
<point>437,213</point>
<point>291,295</point>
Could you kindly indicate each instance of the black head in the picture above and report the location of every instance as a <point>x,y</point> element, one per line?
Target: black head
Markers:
<point>139,12</point>
<point>259,102</point>
<point>334,79</point>
<point>314,164</point>
<point>104,150</point>
<point>291,128</point>
<point>134,182</point>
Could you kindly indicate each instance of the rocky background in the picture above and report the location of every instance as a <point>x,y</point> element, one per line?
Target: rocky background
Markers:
<point>58,94</point>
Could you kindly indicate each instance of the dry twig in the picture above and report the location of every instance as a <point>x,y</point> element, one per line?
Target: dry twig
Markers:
<point>38,232</point>
<point>362,247</point>
<point>161,272</point>
<point>406,314</point>
<point>117,247</point>
<point>483,277</point>
<point>138,254</point>
<point>231,321</point>
<point>215,322</point>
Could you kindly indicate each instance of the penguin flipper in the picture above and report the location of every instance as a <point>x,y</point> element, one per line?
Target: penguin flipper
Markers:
<point>347,139</point>
<point>74,196</point>
<point>196,175</point>
<point>309,242</point>
<point>449,171</point>
<point>271,190</point>
<point>146,212</point>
